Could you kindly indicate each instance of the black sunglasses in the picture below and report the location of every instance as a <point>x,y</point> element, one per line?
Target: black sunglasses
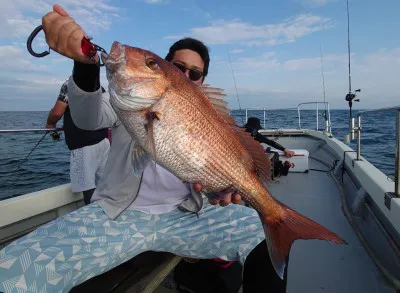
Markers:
<point>194,74</point>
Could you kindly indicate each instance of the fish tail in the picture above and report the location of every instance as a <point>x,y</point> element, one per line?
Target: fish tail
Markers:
<point>282,232</point>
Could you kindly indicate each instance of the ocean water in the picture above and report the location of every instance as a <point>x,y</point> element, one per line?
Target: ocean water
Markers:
<point>48,165</point>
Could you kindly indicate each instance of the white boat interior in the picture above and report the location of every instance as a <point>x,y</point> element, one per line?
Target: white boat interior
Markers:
<point>341,190</point>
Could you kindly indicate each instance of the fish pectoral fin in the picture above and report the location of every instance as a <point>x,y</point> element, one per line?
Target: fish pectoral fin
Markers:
<point>155,115</point>
<point>150,143</point>
<point>140,158</point>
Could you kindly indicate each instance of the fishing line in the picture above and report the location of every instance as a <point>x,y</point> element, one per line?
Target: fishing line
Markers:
<point>234,82</point>
<point>24,160</point>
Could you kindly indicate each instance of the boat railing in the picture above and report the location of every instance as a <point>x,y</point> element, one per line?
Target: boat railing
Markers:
<point>358,130</point>
<point>328,126</point>
<point>257,109</point>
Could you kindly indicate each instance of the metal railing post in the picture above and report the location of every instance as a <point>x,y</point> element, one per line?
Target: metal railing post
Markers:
<point>396,193</point>
<point>298,112</point>
<point>327,127</point>
<point>329,119</point>
<point>397,166</point>
<point>264,118</point>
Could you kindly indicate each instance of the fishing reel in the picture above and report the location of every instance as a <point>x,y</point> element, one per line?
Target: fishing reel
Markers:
<point>55,136</point>
<point>350,97</point>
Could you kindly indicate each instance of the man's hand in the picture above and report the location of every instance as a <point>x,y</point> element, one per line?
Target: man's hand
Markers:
<point>50,126</point>
<point>64,35</point>
<point>226,197</point>
<point>288,153</point>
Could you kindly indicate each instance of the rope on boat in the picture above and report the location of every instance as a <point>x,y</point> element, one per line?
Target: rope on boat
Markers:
<point>392,279</point>
<point>322,162</point>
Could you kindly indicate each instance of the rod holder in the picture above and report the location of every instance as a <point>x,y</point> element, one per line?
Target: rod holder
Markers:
<point>352,126</point>
<point>358,129</point>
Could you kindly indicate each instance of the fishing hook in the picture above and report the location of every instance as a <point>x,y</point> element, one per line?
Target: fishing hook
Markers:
<point>88,48</point>
<point>30,40</point>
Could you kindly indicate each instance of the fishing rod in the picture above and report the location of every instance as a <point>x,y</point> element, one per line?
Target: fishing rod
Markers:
<point>348,44</point>
<point>322,74</point>
<point>29,130</point>
<point>234,82</point>
<point>327,126</point>
<point>27,156</point>
<point>350,97</point>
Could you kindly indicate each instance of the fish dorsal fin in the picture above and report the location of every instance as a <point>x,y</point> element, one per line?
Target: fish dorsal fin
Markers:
<point>216,97</point>
<point>261,162</point>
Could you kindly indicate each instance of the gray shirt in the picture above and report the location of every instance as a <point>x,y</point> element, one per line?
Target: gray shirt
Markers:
<point>119,186</point>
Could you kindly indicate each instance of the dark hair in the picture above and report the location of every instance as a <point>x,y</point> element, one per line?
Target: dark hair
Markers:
<point>253,123</point>
<point>194,45</point>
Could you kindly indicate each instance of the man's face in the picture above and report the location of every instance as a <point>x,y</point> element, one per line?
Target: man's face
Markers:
<point>191,60</point>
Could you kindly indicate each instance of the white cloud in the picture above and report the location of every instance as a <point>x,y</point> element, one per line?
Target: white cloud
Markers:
<point>316,3</point>
<point>153,1</point>
<point>236,31</point>
<point>25,81</point>
<point>9,52</point>
<point>12,21</point>
<point>236,51</point>
<point>24,92</point>
<point>245,66</point>
<point>60,60</point>
<point>315,63</point>
<point>13,59</point>
<point>18,18</point>
<point>272,83</point>
<point>264,61</point>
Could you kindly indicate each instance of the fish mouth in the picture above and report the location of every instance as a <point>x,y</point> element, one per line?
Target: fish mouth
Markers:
<point>122,86</point>
<point>112,62</point>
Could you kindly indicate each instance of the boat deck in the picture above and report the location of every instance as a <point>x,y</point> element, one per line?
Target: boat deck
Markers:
<point>314,265</point>
<point>321,266</point>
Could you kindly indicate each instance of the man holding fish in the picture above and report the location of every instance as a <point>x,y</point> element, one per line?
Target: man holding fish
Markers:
<point>173,142</point>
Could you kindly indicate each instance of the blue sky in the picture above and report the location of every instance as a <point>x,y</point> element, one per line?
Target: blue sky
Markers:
<point>274,47</point>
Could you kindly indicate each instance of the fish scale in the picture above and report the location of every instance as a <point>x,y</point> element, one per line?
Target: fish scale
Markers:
<point>217,157</point>
<point>187,130</point>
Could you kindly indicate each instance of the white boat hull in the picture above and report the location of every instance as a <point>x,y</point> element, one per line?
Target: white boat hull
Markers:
<point>364,265</point>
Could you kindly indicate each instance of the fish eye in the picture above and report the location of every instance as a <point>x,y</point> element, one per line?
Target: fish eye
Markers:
<point>152,64</point>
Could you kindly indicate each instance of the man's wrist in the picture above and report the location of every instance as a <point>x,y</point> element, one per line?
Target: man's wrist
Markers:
<point>86,76</point>
<point>51,126</point>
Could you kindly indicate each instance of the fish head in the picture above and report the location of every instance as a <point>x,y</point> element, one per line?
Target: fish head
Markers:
<point>137,78</point>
